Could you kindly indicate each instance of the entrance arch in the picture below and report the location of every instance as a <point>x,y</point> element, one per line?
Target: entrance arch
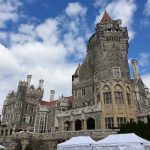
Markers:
<point>78,125</point>
<point>67,126</point>
<point>90,124</point>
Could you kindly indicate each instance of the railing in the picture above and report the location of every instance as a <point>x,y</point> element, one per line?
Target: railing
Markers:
<point>95,134</point>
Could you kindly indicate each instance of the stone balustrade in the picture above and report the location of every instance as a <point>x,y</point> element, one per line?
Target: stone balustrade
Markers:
<point>95,134</point>
<point>53,138</point>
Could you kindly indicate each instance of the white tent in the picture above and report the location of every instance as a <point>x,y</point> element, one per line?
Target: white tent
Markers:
<point>77,143</point>
<point>2,147</point>
<point>128,141</point>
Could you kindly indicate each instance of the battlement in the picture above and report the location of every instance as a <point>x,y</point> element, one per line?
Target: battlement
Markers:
<point>30,88</point>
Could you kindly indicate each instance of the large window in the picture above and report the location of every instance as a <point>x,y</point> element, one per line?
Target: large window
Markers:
<point>116,72</point>
<point>78,125</point>
<point>67,126</point>
<point>17,117</point>
<point>109,124</point>
<point>121,121</point>
<point>90,124</point>
<point>107,98</point>
<point>129,99</point>
<point>119,97</point>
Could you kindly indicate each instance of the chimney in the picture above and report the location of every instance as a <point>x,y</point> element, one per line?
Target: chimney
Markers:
<point>41,83</point>
<point>29,80</point>
<point>52,92</point>
<point>135,69</point>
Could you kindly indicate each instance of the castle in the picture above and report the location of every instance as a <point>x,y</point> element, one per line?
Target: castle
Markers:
<point>103,94</point>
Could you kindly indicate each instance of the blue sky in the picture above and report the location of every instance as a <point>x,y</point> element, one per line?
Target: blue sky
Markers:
<point>47,39</point>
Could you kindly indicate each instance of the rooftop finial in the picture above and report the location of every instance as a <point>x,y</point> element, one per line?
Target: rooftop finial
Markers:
<point>105,17</point>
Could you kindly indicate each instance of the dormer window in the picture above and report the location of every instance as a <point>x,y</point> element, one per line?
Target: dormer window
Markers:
<point>116,72</point>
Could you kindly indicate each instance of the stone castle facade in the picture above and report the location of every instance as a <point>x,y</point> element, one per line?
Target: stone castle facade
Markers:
<point>103,94</point>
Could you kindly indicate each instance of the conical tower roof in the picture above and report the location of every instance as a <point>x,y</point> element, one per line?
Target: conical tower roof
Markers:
<point>105,17</point>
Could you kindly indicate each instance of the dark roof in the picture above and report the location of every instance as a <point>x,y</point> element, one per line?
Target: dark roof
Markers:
<point>51,103</point>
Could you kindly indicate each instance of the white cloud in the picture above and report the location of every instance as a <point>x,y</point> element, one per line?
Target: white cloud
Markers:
<point>145,22</point>
<point>44,50</point>
<point>146,80</point>
<point>123,10</point>
<point>8,11</point>
<point>100,3</point>
<point>147,8</point>
<point>144,59</point>
<point>8,62</point>
<point>48,30</point>
<point>75,9</point>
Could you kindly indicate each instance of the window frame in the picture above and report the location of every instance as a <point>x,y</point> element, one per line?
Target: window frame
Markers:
<point>119,97</point>
<point>107,97</point>
<point>121,121</point>
<point>109,122</point>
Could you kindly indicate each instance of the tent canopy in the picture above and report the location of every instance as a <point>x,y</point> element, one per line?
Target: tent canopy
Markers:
<point>2,147</point>
<point>76,143</point>
<point>123,138</point>
<point>79,140</point>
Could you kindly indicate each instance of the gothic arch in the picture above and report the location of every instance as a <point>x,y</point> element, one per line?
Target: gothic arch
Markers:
<point>119,94</point>
<point>107,94</point>
<point>90,124</point>
<point>118,87</point>
<point>106,88</point>
<point>78,125</point>
<point>128,89</point>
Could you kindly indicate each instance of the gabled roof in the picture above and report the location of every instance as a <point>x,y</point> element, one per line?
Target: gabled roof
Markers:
<point>105,17</point>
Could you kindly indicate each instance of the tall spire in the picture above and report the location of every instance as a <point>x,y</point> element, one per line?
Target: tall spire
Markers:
<point>105,17</point>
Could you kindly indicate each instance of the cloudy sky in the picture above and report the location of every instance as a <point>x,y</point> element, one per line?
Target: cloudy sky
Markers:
<point>47,39</point>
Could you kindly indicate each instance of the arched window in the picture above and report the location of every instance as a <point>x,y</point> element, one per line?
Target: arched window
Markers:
<point>90,124</point>
<point>78,125</point>
<point>119,95</point>
<point>67,126</point>
<point>107,95</point>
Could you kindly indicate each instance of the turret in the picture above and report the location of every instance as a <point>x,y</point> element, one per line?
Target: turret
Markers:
<point>135,69</point>
<point>29,80</point>
<point>52,92</point>
<point>41,84</point>
<point>105,18</point>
